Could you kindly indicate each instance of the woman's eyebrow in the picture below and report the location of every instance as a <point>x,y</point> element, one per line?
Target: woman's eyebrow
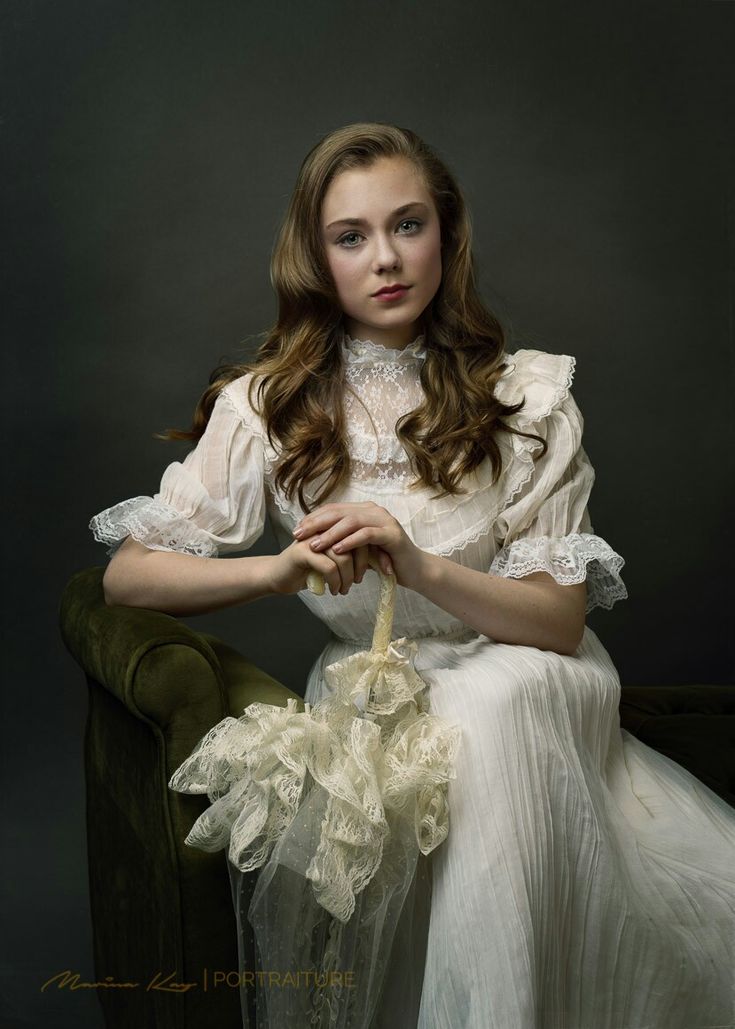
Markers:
<point>361,221</point>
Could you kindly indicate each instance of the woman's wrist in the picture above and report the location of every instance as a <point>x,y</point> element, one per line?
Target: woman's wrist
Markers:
<point>423,577</point>
<point>271,578</point>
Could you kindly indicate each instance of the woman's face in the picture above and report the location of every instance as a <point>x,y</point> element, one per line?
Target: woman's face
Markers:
<point>379,228</point>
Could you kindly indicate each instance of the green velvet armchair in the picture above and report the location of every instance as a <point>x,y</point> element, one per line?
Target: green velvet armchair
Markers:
<point>162,913</point>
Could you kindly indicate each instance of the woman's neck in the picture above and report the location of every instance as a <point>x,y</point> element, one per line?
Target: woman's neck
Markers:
<point>395,337</point>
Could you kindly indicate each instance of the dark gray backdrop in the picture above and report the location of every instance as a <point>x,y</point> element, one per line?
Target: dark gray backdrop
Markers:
<point>150,150</point>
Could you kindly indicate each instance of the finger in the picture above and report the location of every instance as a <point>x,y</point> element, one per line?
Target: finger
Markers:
<point>344,529</point>
<point>345,567</point>
<point>382,557</point>
<point>325,517</point>
<point>361,556</point>
<point>312,524</point>
<point>321,517</point>
<point>334,579</point>
<point>367,535</point>
<point>385,562</point>
<point>328,570</point>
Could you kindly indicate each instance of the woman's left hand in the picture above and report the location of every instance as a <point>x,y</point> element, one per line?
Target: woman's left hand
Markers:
<point>347,526</point>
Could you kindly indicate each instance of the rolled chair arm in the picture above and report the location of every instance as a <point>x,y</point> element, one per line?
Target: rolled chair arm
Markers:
<point>155,687</point>
<point>164,673</point>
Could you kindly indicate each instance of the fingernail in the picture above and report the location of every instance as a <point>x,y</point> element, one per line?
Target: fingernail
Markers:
<point>315,544</point>
<point>297,532</point>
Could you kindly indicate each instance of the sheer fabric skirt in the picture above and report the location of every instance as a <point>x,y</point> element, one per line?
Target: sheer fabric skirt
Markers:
<point>587,882</point>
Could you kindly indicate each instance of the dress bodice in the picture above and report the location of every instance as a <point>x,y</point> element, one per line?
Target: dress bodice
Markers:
<point>532,517</point>
<point>381,384</point>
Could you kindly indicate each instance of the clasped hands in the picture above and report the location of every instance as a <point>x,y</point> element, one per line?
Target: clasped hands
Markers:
<point>349,532</point>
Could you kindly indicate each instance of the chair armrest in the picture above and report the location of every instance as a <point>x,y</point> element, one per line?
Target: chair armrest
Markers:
<point>156,666</point>
<point>645,702</point>
<point>693,725</point>
<point>152,663</point>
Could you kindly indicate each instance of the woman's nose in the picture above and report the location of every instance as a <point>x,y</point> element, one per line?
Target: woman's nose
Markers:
<point>386,253</point>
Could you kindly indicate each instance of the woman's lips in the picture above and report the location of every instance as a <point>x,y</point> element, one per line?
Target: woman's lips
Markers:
<point>394,294</point>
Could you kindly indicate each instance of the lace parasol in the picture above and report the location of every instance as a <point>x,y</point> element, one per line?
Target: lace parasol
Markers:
<point>334,805</point>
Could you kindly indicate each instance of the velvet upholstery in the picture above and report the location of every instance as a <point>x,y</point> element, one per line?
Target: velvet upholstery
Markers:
<point>693,725</point>
<point>155,687</point>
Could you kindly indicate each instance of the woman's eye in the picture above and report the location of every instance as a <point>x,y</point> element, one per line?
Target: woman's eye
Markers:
<point>349,235</point>
<point>343,240</point>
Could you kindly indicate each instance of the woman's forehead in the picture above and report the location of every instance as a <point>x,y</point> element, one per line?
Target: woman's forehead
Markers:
<point>387,185</point>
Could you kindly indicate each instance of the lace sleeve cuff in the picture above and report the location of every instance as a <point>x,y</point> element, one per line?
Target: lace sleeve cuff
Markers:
<point>566,559</point>
<point>155,524</point>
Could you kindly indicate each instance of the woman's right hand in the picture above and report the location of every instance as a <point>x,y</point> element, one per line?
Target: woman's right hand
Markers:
<point>340,571</point>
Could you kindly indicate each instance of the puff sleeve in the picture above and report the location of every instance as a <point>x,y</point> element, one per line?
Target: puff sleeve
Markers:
<point>212,502</point>
<point>546,526</point>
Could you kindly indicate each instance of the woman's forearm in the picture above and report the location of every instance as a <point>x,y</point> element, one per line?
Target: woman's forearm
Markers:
<point>183,584</point>
<point>534,611</point>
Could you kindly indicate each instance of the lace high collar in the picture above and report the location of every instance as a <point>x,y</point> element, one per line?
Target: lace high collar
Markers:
<point>366,351</point>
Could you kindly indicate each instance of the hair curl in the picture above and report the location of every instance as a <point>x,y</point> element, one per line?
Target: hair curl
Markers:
<point>299,370</point>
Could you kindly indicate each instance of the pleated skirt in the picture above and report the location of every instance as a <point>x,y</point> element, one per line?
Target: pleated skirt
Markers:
<point>588,881</point>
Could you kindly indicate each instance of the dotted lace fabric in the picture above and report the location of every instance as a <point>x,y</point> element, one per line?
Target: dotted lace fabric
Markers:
<point>382,385</point>
<point>570,559</point>
<point>158,525</point>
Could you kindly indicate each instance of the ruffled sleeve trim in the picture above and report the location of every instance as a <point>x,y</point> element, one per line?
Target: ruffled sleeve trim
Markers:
<point>567,558</point>
<point>155,524</point>
<point>545,380</point>
<point>212,502</point>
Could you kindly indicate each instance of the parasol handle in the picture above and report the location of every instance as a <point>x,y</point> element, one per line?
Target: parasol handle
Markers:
<point>386,603</point>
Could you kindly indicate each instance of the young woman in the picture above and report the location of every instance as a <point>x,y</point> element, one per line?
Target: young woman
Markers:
<point>587,881</point>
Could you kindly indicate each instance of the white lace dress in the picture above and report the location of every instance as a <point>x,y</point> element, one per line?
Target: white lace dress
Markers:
<point>587,881</point>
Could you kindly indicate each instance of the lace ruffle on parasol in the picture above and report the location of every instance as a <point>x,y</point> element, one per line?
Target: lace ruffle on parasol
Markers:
<point>372,747</point>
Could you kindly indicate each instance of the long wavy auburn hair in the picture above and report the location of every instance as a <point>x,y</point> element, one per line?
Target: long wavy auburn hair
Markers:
<point>298,368</point>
